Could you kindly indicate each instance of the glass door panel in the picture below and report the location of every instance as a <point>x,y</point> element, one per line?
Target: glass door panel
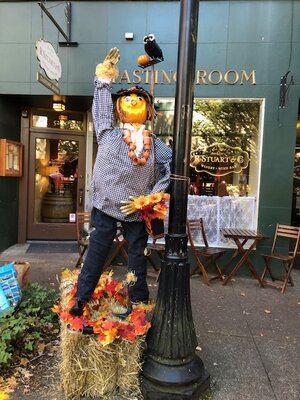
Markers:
<point>56,174</point>
<point>56,184</point>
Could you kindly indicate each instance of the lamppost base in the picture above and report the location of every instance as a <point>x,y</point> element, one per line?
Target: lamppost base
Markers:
<point>174,382</point>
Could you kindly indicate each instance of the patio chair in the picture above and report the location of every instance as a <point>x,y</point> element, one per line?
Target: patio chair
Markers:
<point>284,235</point>
<point>159,249</point>
<point>205,255</point>
<point>83,233</point>
<point>120,244</point>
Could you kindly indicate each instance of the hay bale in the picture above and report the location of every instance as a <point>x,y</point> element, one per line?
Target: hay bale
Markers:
<point>73,373</point>
<point>102,369</point>
<point>129,366</point>
<point>93,369</point>
<point>90,369</point>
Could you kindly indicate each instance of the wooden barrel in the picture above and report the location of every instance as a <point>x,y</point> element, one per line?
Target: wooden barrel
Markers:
<point>56,207</point>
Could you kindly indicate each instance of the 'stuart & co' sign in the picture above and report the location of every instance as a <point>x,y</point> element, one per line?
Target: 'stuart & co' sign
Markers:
<point>219,159</point>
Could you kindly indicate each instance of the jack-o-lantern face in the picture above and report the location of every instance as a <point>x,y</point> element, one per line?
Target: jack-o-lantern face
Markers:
<point>132,108</point>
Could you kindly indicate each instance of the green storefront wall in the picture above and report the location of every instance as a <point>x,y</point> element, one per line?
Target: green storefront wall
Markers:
<point>233,35</point>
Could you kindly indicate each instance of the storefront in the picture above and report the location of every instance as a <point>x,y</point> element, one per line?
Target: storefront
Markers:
<point>244,125</point>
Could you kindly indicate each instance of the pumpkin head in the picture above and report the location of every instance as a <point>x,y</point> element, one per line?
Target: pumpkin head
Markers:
<point>133,105</point>
<point>132,108</point>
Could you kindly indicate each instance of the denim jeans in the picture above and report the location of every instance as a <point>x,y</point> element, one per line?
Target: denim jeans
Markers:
<point>100,243</point>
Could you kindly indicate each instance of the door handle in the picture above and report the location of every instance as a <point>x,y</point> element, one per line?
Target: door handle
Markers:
<point>80,197</point>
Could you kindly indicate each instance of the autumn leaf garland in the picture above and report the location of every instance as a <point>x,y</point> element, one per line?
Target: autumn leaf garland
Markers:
<point>109,299</point>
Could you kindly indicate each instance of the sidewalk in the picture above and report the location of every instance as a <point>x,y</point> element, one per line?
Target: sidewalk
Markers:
<point>248,337</point>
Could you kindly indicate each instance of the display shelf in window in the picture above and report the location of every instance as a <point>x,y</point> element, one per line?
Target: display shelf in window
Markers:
<point>11,158</point>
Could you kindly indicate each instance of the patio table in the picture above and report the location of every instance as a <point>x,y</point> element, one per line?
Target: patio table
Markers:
<point>241,237</point>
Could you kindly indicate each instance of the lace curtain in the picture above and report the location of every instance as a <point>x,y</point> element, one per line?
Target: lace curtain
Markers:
<point>220,212</point>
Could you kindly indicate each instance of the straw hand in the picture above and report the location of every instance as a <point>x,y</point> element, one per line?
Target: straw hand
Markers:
<point>129,206</point>
<point>107,69</point>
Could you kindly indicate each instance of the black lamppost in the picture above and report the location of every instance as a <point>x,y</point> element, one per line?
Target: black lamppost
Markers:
<point>171,369</point>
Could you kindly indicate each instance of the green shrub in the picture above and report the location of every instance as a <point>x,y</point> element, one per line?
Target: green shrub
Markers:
<point>30,322</point>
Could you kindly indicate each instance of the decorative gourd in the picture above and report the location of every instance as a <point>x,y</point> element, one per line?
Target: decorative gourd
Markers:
<point>143,59</point>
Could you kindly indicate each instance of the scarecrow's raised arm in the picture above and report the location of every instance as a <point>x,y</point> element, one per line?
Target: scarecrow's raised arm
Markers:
<point>102,102</point>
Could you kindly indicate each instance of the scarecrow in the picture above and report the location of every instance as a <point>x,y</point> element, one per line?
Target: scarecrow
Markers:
<point>132,167</point>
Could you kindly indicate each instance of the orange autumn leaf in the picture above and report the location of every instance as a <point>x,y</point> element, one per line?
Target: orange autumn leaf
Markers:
<point>109,324</point>
<point>160,211</point>
<point>76,323</point>
<point>137,316</point>
<point>166,196</point>
<point>141,329</point>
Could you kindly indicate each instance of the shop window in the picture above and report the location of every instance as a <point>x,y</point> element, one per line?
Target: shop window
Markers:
<point>225,144</point>
<point>67,120</point>
<point>296,181</point>
<point>224,161</point>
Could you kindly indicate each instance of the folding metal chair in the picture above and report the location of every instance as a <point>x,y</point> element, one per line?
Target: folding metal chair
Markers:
<point>83,233</point>
<point>211,255</point>
<point>288,236</point>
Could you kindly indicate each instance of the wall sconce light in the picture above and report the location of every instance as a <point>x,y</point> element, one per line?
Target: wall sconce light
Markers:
<point>129,35</point>
<point>59,103</point>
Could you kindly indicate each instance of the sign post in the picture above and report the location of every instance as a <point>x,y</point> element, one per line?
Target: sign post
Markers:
<point>171,369</point>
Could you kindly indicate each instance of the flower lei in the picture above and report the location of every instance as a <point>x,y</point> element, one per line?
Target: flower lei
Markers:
<point>132,147</point>
<point>109,299</point>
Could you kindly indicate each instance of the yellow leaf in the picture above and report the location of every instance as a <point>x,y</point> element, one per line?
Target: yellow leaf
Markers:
<point>130,277</point>
<point>3,395</point>
<point>109,336</point>
<point>66,273</point>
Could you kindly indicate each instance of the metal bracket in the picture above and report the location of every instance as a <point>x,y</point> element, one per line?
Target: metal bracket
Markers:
<point>67,35</point>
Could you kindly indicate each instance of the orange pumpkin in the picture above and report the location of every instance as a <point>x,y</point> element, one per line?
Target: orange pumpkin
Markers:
<point>143,59</point>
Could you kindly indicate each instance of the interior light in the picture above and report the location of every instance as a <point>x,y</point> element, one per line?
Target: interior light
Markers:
<point>59,103</point>
<point>58,106</point>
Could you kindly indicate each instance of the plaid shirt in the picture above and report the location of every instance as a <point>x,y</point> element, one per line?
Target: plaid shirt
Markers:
<point>115,178</point>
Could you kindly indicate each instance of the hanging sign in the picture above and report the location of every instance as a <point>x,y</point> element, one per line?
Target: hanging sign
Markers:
<point>48,59</point>
<point>219,159</point>
<point>47,83</point>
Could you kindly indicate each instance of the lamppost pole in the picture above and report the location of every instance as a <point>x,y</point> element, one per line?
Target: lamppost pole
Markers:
<point>171,368</point>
